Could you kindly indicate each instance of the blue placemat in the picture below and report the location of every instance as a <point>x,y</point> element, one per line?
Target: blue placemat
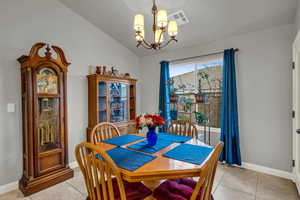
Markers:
<point>142,146</point>
<point>122,140</point>
<point>189,153</point>
<point>174,138</point>
<point>128,159</point>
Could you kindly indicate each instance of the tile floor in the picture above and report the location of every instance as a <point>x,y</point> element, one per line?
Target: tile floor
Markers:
<point>231,183</point>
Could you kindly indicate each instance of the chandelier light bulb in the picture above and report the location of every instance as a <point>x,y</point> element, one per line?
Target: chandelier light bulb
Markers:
<point>172,28</point>
<point>139,22</point>
<point>162,18</point>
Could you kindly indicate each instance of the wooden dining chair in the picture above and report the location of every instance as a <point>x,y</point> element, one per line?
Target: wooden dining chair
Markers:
<point>182,127</point>
<point>103,131</point>
<point>102,177</point>
<point>187,188</point>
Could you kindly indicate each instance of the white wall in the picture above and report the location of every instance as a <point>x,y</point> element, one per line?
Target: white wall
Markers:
<point>264,91</point>
<point>297,17</point>
<point>24,23</point>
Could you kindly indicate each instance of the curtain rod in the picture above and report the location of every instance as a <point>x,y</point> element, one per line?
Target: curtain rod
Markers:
<point>189,58</point>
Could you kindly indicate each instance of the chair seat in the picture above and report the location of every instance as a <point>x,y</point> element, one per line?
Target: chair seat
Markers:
<point>134,191</point>
<point>176,189</point>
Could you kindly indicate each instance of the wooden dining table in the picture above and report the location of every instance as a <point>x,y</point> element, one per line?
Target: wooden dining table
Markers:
<point>161,167</point>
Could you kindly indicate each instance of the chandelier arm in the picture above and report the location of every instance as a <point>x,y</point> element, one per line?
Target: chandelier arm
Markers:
<point>162,31</point>
<point>170,40</point>
<point>146,46</point>
<point>138,44</point>
<point>139,34</point>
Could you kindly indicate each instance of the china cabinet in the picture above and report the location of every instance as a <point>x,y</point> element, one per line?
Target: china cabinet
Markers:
<point>44,119</point>
<point>111,99</point>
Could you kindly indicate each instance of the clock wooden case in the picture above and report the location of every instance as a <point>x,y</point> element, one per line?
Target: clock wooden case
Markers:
<point>44,119</point>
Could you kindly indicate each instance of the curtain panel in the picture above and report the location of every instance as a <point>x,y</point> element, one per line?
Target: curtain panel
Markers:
<point>229,112</point>
<point>164,91</point>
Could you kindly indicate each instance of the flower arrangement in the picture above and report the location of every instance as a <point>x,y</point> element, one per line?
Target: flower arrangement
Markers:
<point>149,121</point>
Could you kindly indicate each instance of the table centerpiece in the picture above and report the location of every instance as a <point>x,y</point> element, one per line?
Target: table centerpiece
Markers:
<point>151,122</point>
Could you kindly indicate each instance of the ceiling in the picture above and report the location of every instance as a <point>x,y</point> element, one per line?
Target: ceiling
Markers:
<point>209,19</point>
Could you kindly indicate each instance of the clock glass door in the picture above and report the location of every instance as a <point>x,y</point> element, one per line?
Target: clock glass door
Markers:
<point>48,110</point>
<point>48,124</point>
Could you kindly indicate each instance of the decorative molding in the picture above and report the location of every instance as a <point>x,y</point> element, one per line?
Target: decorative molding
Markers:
<point>267,170</point>
<point>297,185</point>
<point>34,59</point>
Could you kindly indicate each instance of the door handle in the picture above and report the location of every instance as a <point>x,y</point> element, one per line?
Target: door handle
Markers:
<point>298,131</point>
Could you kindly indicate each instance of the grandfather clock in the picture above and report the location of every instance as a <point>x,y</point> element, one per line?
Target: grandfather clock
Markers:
<point>44,119</point>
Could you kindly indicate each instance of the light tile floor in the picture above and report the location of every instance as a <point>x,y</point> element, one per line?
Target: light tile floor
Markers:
<point>231,183</point>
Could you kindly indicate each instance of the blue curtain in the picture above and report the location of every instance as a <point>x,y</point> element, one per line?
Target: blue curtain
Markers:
<point>164,91</point>
<point>229,112</point>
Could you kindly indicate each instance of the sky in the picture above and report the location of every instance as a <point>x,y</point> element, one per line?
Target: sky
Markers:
<point>182,69</point>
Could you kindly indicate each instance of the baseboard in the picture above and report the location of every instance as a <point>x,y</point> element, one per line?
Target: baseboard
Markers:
<point>73,165</point>
<point>14,185</point>
<point>8,187</point>
<point>267,170</point>
<point>275,172</point>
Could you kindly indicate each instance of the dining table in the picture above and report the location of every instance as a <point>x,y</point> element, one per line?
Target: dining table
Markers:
<point>161,167</point>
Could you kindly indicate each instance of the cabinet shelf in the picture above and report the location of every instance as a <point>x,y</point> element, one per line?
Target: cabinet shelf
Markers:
<point>48,96</point>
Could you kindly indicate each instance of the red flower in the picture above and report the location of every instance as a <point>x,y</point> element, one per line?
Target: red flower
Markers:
<point>137,121</point>
<point>155,119</point>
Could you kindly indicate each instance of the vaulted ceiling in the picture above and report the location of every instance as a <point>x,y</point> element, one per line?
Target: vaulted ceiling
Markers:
<point>209,19</point>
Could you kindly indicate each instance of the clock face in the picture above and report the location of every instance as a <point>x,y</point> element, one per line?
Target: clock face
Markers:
<point>47,81</point>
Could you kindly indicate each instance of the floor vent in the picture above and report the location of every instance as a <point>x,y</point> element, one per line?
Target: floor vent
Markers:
<point>180,17</point>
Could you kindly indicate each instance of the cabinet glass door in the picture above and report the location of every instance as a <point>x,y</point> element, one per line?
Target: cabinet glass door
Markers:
<point>102,102</point>
<point>118,101</point>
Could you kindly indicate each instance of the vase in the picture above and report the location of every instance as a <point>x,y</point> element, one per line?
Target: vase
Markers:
<point>151,136</point>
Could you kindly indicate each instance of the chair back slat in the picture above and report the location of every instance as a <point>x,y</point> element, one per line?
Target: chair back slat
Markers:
<point>102,181</point>
<point>207,174</point>
<point>103,131</point>
<point>182,127</point>
<point>110,185</point>
<point>99,172</point>
<point>95,165</point>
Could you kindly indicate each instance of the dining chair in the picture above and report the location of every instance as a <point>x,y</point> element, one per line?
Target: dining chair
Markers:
<point>104,131</point>
<point>187,188</point>
<point>182,127</point>
<point>102,177</point>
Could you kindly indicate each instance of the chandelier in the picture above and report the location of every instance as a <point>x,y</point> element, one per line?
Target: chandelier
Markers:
<point>160,26</point>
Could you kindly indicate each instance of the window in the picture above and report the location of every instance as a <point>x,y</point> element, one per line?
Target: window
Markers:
<point>189,82</point>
